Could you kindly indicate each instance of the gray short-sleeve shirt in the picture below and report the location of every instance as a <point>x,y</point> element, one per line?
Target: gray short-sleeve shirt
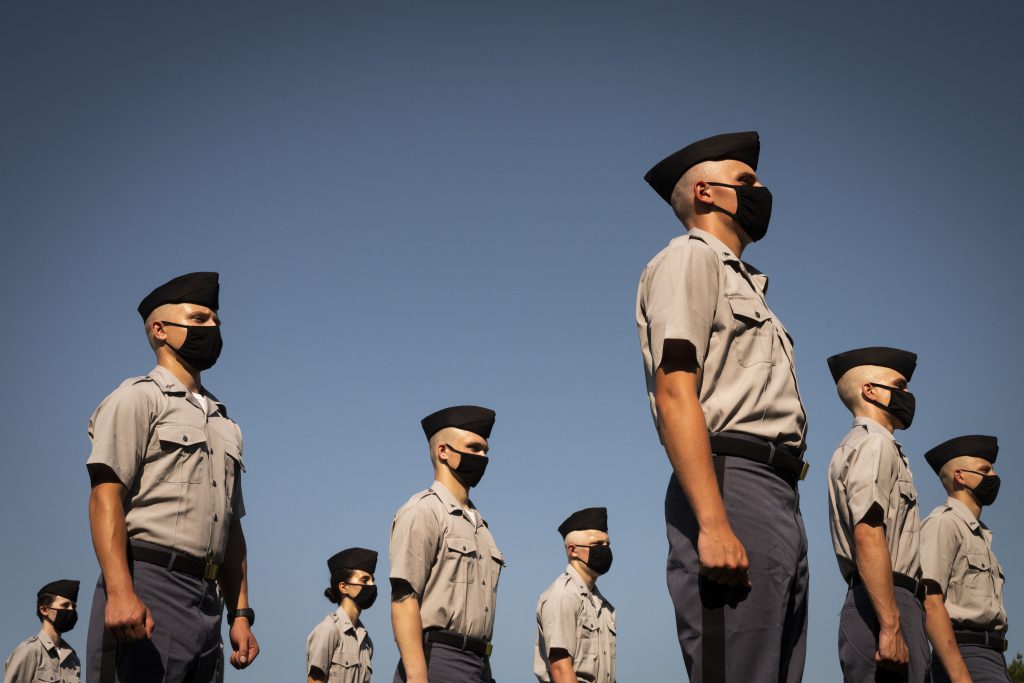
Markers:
<point>340,649</point>
<point>696,290</point>
<point>450,560</point>
<point>956,553</point>
<point>181,464</point>
<point>573,618</point>
<point>869,468</point>
<point>38,659</point>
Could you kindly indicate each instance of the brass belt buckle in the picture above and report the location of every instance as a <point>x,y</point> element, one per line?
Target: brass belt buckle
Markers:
<point>803,469</point>
<point>210,571</point>
<point>487,650</point>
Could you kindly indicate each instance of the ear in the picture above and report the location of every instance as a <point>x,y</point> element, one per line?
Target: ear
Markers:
<point>868,390</point>
<point>702,193</point>
<point>158,330</point>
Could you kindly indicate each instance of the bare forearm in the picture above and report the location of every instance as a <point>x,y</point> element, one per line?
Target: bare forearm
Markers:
<point>874,565</point>
<point>408,628</point>
<point>940,632</point>
<point>110,536</point>
<point>233,575</point>
<point>562,671</point>
<point>685,433</point>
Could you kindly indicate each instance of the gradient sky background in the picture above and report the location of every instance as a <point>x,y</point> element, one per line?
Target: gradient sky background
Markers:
<point>421,204</point>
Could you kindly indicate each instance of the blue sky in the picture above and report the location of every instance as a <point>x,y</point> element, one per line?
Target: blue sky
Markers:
<point>414,205</point>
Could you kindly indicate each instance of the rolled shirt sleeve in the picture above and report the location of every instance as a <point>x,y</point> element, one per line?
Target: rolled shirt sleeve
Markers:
<point>320,647</point>
<point>557,617</point>
<point>940,543</point>
<point>415,535</point>
<point>119,431</point>
<point>871,477</point>
<point>679,293</point>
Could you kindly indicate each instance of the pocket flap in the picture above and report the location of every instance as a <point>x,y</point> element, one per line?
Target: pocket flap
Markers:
<point>182,435</point>
<point>979,562</point>
<point>907,490</point>
<point>232,450</point>
<point>461,545</point>
<point>589,623</point>
<point>750,309</point>
<point>497,556</point>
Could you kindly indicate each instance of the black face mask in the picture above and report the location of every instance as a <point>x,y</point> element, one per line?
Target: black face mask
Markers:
<point>201,347</point>
<point>600,558</point>
<point>902,405</point>
<point>65,619</point>
<point>753,209</point>
<point>470,470</point>
<point>366,597</point>
<point>986,490</point>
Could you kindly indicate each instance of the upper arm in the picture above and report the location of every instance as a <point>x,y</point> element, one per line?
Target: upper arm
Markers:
<point>679,299</point>
<point>120,430</point>
<point>940,543</point>
<point>870,478</point>
<point>557,617</point>
<point>319,650</point>
<point>415,534</point>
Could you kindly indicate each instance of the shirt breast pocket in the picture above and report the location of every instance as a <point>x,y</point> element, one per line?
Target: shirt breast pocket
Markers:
<point>183,457</point>
<point>460,559</point>
<point>753,333</point>
<point>496,564</point>
<point>978,578</point>
<point>590,645</point>
<point>43,676</point>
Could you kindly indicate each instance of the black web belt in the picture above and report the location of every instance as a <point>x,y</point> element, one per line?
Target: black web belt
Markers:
<point>990,639</point>
<point>915,586</point>
<point>458,641</point>
<point>175,561</point>
<point>782,459</point>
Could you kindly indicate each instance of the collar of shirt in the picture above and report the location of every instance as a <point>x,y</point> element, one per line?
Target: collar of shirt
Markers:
<point>726,255</point>
<point>343,621</point>
<point>873,426</point>
<point>169,384</point>
<point>454,508</point>
<point>594,596</point>
<point>962,511</point>
<point>62,652</point>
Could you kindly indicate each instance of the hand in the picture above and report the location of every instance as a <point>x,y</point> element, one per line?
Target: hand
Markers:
<point>892,653</point>
<point>722,557</point>
<point>127,617</point>
<point>243,642</point>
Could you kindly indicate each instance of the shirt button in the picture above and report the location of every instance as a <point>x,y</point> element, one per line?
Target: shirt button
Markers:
<point>487,609</point>
<point>185,439</point>
<point>215,518</point>
<point>756,314</point>
<point>484,582</point>
<point>214,484</point>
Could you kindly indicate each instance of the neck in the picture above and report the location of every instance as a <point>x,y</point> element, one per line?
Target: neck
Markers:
<point>715,224</point>
<point>167,359</point>
<point>444,475</point>
<point>878,415</point>
<point>351,609</point>
<point>967,498</point>
<point>585,572</point>
<point>49,630</point>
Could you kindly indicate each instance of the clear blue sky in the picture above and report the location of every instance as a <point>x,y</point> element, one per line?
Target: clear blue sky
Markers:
<point>420,204</point>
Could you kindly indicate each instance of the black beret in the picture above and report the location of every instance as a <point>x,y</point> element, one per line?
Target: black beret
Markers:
<point>903,362</point>
<point>588,519</point>
<point>352,558</point>
<point>471,418</point>
<point>977,445</point>
<point>745,147</point>
<point>193,288</point>
<point>65,588</point>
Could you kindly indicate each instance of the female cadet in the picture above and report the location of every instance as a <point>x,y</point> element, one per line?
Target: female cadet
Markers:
<point>339,650</point>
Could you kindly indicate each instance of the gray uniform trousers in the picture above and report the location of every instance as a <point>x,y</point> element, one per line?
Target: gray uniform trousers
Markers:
<point>446,664</point>
<point>740,635</point>
<point>858,639</point>
<point>186,645</point>
<point>983,663</point>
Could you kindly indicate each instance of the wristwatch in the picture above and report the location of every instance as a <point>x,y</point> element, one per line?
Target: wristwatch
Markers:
<point>246,612</point>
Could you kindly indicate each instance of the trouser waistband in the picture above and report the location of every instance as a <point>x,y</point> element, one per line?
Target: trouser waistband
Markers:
<point>990,639</point>
<point>458,641</point>
<point>784,460</point>
<point>175,561</point>
<point>915,586</point>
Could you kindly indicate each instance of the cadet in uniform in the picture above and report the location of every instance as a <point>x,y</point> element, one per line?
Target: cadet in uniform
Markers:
<point>966,618</point>
<point>338,650</point>
<point>46,656</point>
<point>575,623</point>
<point>874,519</point>
<point>723,393</point>
<point>444,562</point>
<point>166,507</point>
